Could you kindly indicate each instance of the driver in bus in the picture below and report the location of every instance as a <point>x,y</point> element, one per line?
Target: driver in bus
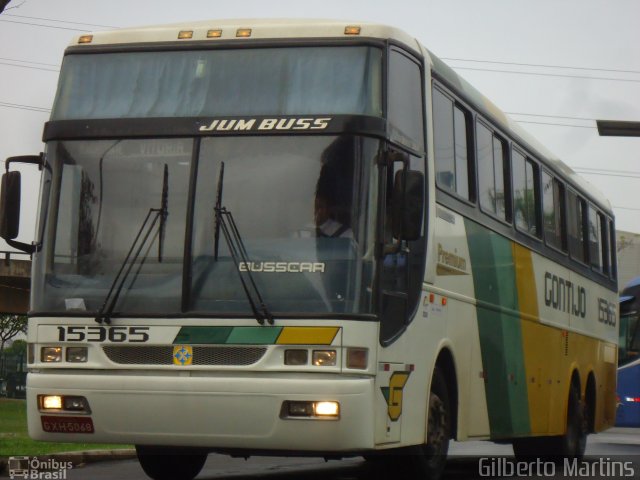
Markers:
<point>332,212</point>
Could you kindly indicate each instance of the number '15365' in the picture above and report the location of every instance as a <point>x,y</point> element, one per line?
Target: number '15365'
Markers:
<point>103,334</point>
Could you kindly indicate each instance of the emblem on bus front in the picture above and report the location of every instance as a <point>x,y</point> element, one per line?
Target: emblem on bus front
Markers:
<point>182,355</point>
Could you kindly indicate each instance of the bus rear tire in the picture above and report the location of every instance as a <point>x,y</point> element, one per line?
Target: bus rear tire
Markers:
<point>574,442</point>
<point>432,456</point>
<point>168,463</point>
<point>570,445</point>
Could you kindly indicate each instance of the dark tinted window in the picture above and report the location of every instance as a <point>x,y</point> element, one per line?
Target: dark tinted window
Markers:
<point>552,211</point>
<point>575,217</point>
<point>405,101</point>
<point>596,240</point>
<point>525,195</point>
<point>450,144</point>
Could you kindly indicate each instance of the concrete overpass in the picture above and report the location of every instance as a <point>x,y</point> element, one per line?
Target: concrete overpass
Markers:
<point>15,282</point>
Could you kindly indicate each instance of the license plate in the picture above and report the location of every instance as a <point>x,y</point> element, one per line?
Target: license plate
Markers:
<point>52,424</point>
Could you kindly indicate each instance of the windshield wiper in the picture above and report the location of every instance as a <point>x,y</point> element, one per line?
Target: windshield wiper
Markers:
<point>153,216</point>
<point>226,223</point>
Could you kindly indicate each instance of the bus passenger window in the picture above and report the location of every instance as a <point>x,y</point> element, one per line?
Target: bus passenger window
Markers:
<point>491,174</point>
<point>450,145</point>
<point>553,211</point>
<point>613,270</point>
<point>525,195</point>
<point>576,211</point>
<point>596,243</point>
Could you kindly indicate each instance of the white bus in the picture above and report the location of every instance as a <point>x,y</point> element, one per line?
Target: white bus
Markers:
<point>313,238</point>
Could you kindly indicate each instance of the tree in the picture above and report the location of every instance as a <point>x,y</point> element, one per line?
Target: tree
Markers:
<point>10,326</point>
<point>18,347</point>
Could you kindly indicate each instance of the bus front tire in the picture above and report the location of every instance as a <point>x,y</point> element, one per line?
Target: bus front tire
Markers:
<point>432,456</point>
<point>168,463</point>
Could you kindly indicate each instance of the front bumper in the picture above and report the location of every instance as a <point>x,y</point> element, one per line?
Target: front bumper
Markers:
<point>217,411</point>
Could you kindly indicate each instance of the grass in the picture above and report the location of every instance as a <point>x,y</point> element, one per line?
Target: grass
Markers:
<point>15,441</point>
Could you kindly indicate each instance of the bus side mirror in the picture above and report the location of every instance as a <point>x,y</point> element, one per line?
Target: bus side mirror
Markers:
<point>408,204</point>
<point>10,205</point>
<point>10,192</point>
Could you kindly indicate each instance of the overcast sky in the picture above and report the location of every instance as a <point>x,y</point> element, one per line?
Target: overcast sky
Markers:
<point>556,65</point>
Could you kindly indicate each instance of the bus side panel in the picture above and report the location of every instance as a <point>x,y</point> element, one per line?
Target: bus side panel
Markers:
<point>500,331</point>
<point>455,285</point>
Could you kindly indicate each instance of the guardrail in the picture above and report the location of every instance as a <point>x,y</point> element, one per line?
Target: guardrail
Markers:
<point>6,256</point>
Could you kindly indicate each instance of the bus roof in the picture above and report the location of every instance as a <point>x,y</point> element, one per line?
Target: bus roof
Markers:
<point>265,29</point>
<point>261,29</point>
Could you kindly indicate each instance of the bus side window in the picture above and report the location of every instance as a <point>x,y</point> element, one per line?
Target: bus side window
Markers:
<point>553,212</point>
<point>450,143</point>
<point>406,112</point>
<point>597,241</point>
<point>613,265</point>
<point>525,194</point>
<point>576,216</point>
<point>491,173</point>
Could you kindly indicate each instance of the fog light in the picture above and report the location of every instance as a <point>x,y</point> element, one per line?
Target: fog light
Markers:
<point>296,357</point>
<point>357,358</point>
<point>300,409</point>
<point>50,402</point>
<point>76,354</point>
<point>51,354</point>
<point>324,358</point>
<point>76,404</point>
<point>326,409</point>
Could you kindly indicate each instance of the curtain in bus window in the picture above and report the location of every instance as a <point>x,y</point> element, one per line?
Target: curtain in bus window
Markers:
<point>595,240</point>
<point>443,140</point>
<point>552,210</point>
<point>268,81</point>
<point>450,144</point>
<point>524,194</point>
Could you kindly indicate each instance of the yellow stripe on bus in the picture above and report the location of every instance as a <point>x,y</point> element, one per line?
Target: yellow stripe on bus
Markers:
<point>307,335</point>
<point>537,342</point>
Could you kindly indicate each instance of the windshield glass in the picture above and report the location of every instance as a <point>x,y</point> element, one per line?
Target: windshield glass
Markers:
<point>302,205</point>
<point>260,81</point>
<point>101,193</point>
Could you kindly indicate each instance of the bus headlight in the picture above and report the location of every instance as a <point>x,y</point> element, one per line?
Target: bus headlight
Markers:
<point>326,409</point>
<point>50,402</point>
<point>63,403</point>
<point>76,354</point>
<point>51,354</point>
<point>324,358</point>
<point>296,357</point>
<point>308,409</point>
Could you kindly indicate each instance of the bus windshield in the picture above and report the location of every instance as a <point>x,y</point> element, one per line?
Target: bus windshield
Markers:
<point>304,207</point>
<point>221,82</point>
<point>629,341</point>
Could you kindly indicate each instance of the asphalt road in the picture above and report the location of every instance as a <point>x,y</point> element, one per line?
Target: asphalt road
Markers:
<point>612,454</point>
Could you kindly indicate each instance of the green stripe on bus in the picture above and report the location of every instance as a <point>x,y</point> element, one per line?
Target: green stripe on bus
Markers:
<point>500,332</point>
<point>202,335</point>
<point>254,335</point>
<point>227,335</point>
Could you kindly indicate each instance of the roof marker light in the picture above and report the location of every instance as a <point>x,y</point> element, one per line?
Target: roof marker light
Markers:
<point>243,32</point>
<point>214,33</point>
<point>185,35</point>
<point>85,39</point>
<point>352,30</point>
